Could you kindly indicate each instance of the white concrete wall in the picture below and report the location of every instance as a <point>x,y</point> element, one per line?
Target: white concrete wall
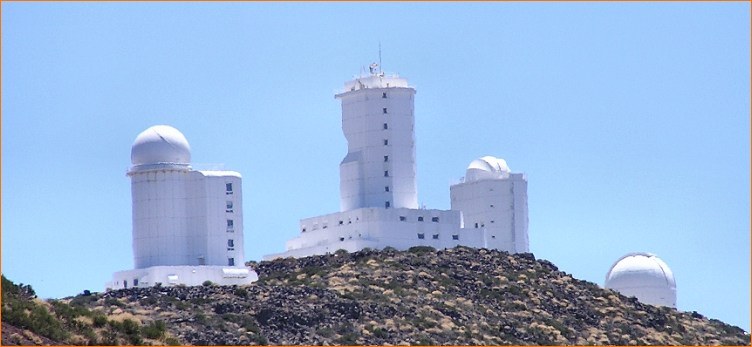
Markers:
<point>180,218</point>
<point>160,227</point>
<point>378,228</point>
<point>218,252</point>
<point>498,206</point>
<point>185,275</point>
<point>363,180</point>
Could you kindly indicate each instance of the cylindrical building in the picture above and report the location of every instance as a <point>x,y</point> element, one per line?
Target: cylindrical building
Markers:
<point>378,123</point>
<point>159,176</point>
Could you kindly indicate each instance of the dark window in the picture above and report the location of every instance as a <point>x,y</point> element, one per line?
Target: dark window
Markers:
<point>386,142</point>
<point>341,222</point>
<point>230,243</point>
<point>230,225</point>
<point>476,225</point>
<point>386,173</point>
<point>403,218</point>
<point>435,236</point>
<point>387,204</point>
<point>229,206</point>
<point>125,284</point>
<point>491,206</point>
<point>135,282</point>
<point>386,126</point>
<point>386,158</point>
<point>421,236</point>
<point>420,219</point>
<point>304,230</point>
<point>384,110</point>
<point>342,239</point>
<point>455,237</point>
<point>228,188</point>
<point>493,236</point>
<point>230,261</point>
<point>434,219</point>
<point>386,189</point>
<point>383,95</point>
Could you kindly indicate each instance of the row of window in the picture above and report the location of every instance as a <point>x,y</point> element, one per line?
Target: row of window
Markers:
<point>436,236</point>
<point>420,219</point>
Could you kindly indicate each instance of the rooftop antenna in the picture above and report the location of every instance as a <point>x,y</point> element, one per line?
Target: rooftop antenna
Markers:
<point>381,67</point>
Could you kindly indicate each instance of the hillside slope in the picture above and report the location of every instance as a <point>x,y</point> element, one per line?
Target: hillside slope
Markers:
<point>459,296</point>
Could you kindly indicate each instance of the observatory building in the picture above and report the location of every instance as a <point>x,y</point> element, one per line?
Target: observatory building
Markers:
<point>644,276</point>
<point>378,188</point>
<point>187,224</point>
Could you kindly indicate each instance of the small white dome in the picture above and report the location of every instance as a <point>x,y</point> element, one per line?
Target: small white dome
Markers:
<point>487,167</point>
<point>644,276</point>
<point>160,144</point>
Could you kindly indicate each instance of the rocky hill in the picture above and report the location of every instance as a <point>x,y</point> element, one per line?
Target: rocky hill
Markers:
<point>459,296</point>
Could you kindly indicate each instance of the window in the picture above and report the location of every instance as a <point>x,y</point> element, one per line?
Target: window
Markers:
<point>435,236</point>
<point>491,206</point>
<point>493,236</point>
<point>403,218</point>
<point>341,222</point>
<point>135,282</point>
<point>386,158</point>
<point>386,142</point>
<point>230,225</point>
<point>421,236</point>
<point>386,189</point>
<point>455,237</point>
<point>476,225</point>
<point>384,109</point>
<point>342,239</point>
<point>229,207</point>
<point>304,229</point>
<point>387,204</point>
<point>383,95</point>
<point>386,173</point>
<point>435,219</point>
<point>386,126</point>
<point>230,244</point>
<point>420,219</point>
<point>228,188</point>
<point>230,261</point>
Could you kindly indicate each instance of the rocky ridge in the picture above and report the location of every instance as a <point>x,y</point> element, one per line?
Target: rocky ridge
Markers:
<point>458,296</point>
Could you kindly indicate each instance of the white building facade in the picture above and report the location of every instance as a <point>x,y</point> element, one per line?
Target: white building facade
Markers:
<point>187,224</point>
<point>494,200</point>
<point>378,187</point>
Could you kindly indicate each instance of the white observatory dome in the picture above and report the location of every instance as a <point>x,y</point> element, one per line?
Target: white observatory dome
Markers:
<point>160,144</point>
<point>644,276</point>
<point>487,167</point>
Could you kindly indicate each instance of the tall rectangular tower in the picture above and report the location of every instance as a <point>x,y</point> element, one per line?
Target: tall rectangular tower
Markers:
<point>378,122</point>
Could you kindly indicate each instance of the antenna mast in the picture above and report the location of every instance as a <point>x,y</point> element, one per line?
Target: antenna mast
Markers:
<point>381,68</point>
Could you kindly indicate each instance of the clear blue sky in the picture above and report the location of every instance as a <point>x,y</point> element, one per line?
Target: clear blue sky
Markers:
<point>631,121</point>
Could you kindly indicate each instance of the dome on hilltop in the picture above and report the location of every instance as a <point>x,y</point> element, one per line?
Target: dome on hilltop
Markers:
<point>160,144</point>
<point>487,167</point>
<point>644,276</point>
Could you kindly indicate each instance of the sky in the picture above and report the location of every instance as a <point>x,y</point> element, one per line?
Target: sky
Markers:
<point>630,120</point>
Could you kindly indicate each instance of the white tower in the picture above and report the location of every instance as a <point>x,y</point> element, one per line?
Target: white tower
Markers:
<point>378,123</point>
<point>644,276</point>
<point>187,224</point>
<point>494,200</point>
